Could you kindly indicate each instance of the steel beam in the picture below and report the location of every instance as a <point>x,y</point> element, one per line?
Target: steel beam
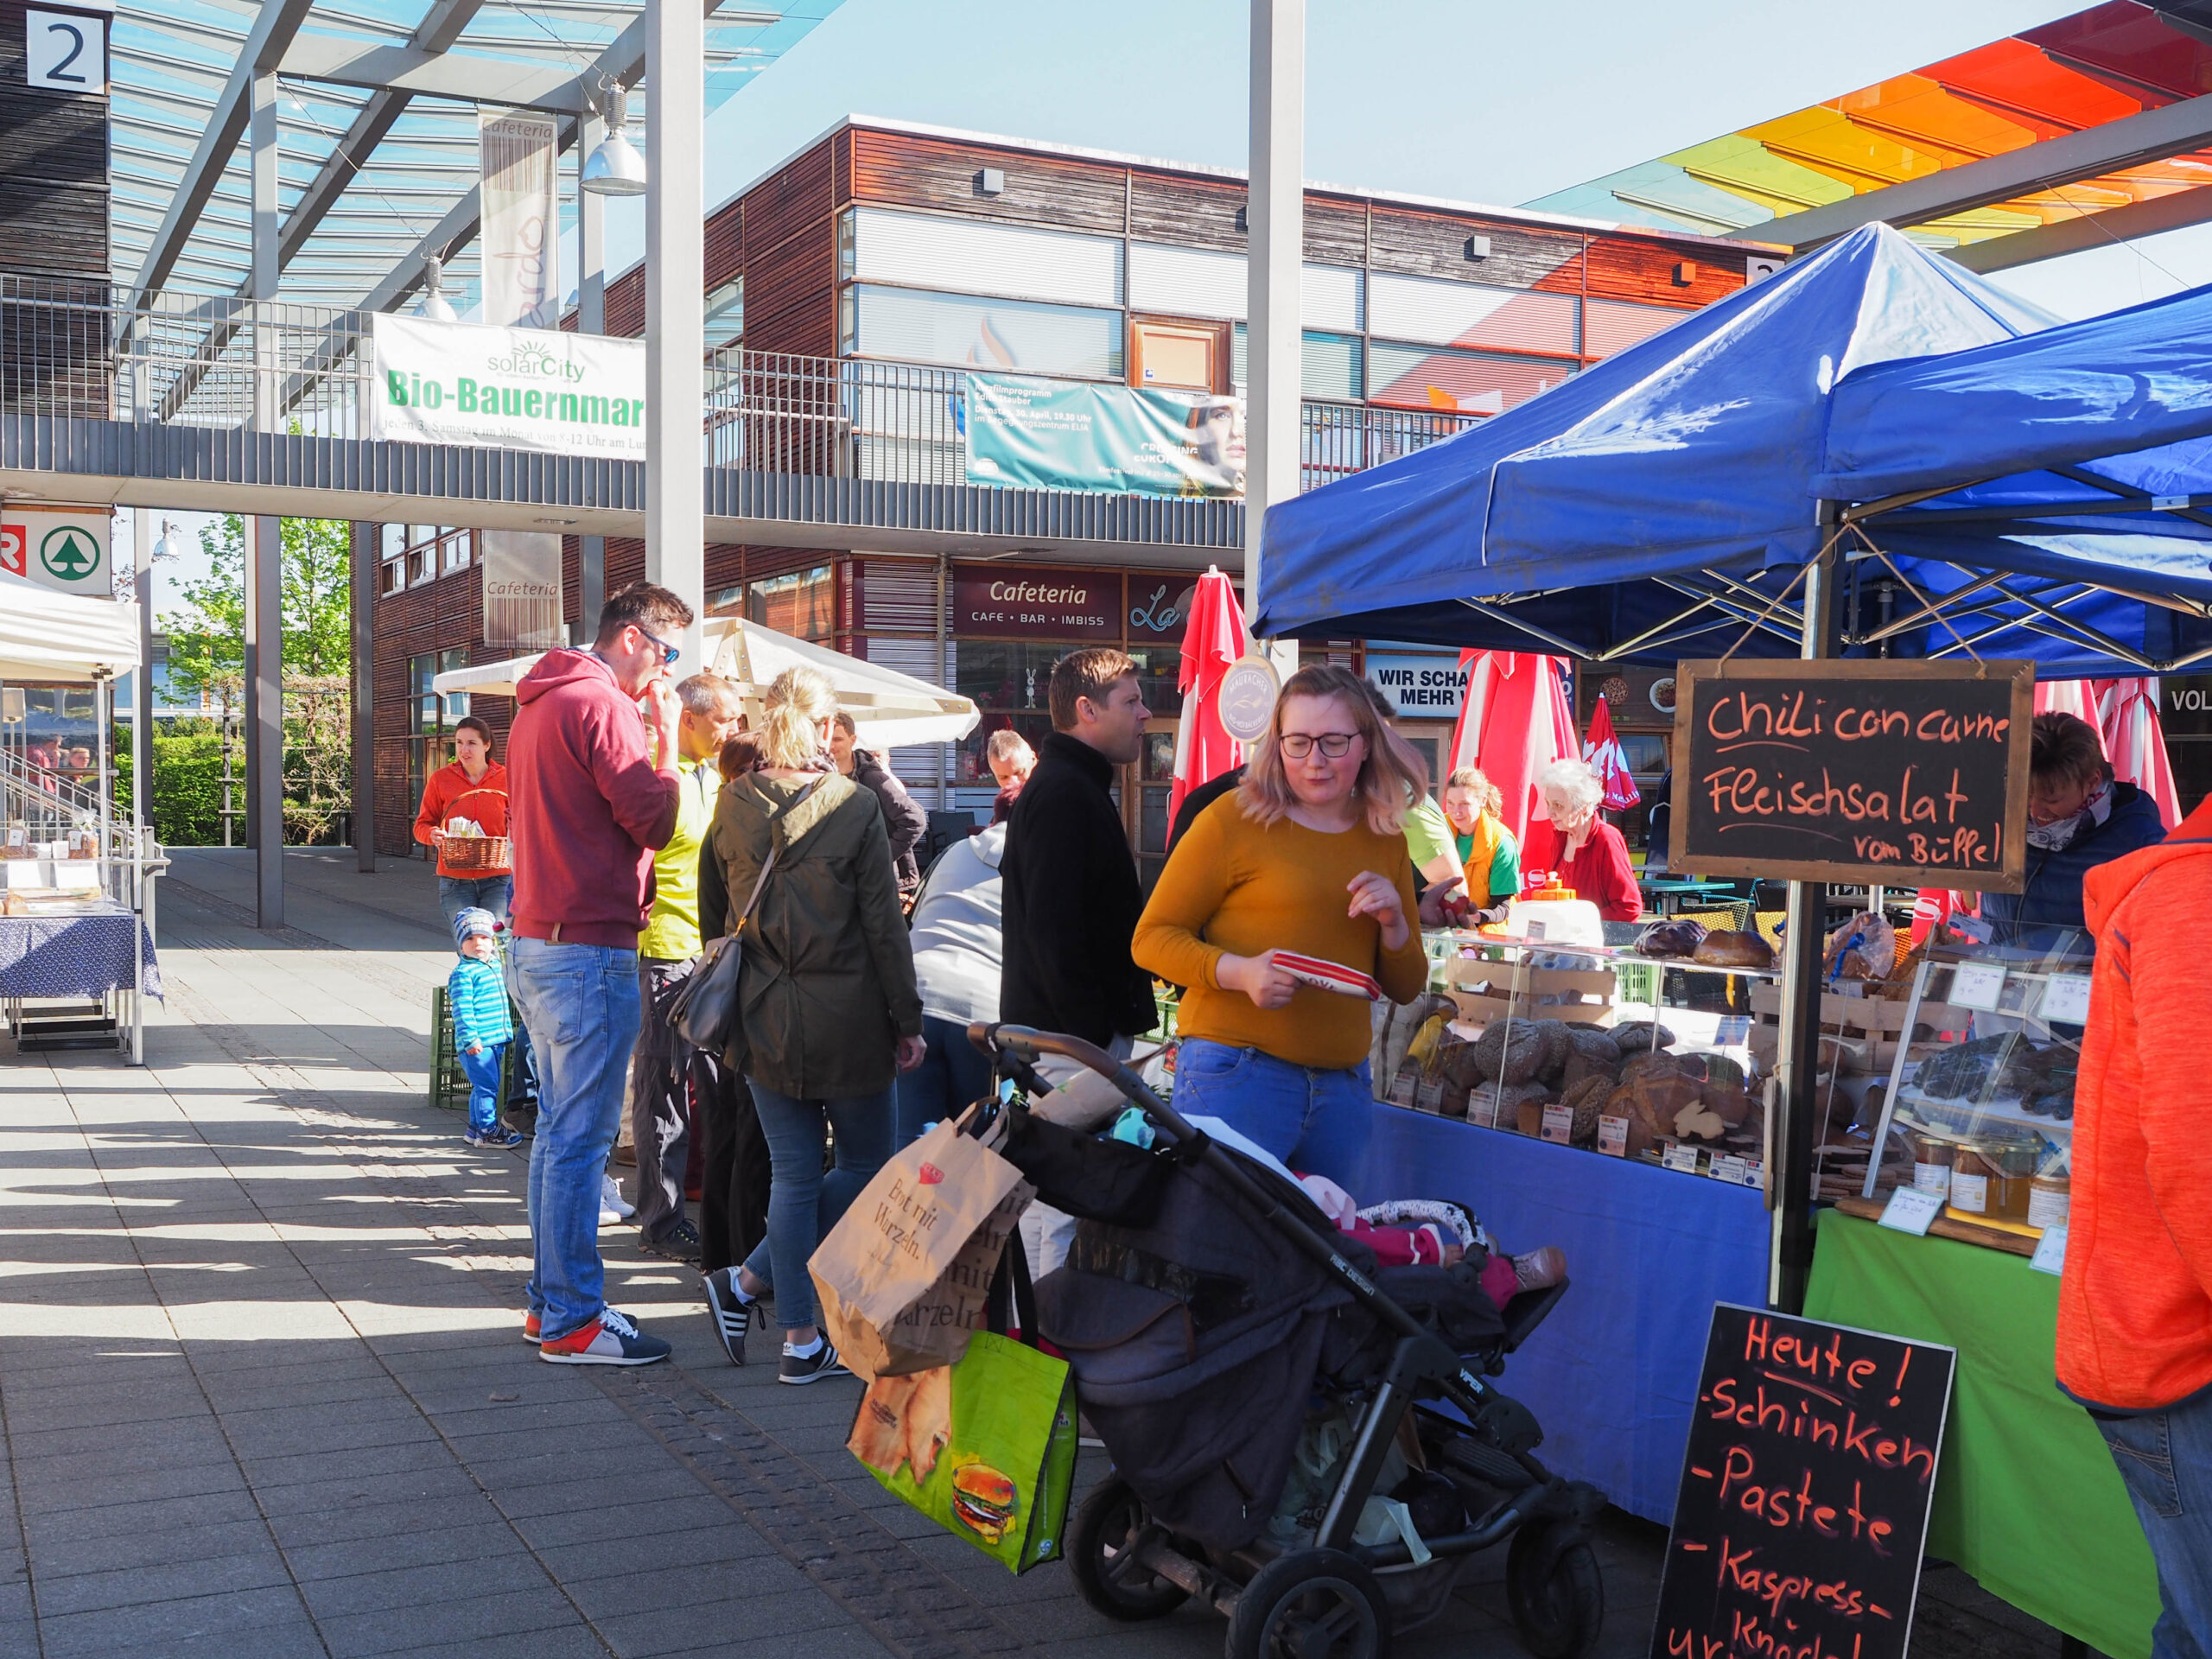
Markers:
<point>361,616</point>
<point>261,52</point>
<point>2155,135</point>
<point>2115,224</point>
<point>409,71</point>
<point>264,553</point>
<point>676,305</point>
<point>1276,212</point>
<point>591,319</point>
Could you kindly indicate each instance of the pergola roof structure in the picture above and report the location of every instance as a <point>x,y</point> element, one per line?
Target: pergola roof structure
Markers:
<point>377,110</point>
<point>2092,128</point>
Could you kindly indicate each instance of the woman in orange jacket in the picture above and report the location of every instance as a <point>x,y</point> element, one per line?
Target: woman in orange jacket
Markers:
<point>474,786</point>
<point>2135,1301</point>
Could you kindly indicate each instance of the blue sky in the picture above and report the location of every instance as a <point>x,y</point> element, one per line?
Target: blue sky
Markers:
<point>1479,100</point>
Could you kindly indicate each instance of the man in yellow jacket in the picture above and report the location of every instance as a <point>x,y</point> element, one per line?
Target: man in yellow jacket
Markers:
<point>661,1066</point>
<point>2135,1301</point>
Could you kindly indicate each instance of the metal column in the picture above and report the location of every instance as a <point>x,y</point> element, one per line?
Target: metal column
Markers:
<point>362,617</point>
<point>591,319</point>
<point>1796,1124</point>
<point>142,535</point>
<point>265,558</point>
<point>1276,212</point>
<point>676,305</point>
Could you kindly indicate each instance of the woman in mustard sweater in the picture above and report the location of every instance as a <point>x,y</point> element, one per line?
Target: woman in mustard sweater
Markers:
<point>1306,855</point>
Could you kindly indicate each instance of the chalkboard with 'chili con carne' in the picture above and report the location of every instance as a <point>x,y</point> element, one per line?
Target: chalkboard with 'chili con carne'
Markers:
<point>1805,1494</point>
<point>1890,772</point>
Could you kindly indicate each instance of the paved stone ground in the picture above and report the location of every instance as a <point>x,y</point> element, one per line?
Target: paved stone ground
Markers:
<point>262,1393</point>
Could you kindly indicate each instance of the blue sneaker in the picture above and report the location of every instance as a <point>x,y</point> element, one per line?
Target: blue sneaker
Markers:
<point>499,1138</point>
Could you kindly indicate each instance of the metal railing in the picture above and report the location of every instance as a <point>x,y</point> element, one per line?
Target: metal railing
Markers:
<point>74,349</point>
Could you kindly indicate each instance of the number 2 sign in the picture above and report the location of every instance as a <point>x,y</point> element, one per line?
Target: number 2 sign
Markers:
<point>65,52</point>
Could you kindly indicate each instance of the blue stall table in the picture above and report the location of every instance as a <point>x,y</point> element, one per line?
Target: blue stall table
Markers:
<point>1612,1374</point>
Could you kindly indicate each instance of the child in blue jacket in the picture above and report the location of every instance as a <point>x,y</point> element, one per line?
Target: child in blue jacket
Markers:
<point>477,993</point>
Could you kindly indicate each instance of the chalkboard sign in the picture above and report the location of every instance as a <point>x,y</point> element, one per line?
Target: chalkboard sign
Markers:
<point>1805,1491</point>
<point>1907,774</point>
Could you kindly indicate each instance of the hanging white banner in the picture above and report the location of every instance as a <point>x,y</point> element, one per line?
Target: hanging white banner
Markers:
<point>534,389</point>
<point>518,157</point>
<point>522,590</point>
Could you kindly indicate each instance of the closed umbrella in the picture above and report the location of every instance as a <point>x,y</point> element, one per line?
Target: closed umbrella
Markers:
<point>1515,723</point>
<point>1610,761</point>
<point>2135,745</point>
<point>1213,639</point>
<point>2075,697</point>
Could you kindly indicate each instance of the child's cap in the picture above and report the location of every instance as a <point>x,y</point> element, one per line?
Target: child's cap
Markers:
<point>468,924</point>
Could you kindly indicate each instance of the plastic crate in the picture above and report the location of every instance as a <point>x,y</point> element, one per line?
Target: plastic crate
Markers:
<point>449,1084</point>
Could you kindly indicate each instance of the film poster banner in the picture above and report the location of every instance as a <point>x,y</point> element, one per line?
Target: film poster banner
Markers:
<point>542,390</point>
<point>519,157</point>
<point>1806,1485</point>
<point>1059,435</point>
<point>522,590</point>
<point>63,548</point>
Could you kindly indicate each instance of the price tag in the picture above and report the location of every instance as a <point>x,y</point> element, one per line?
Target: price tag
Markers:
<point>1976,985</point>
<point>2066,1000</point>
<point>1754,1171</point>
<point>1733,1029</point>
<point>1612,1136</point>
<point>1911,1209</point>
<point>1729,1168</point>
<point>1559,1124</point>
<point>2050,1251</point>
<point>1682,1158</point>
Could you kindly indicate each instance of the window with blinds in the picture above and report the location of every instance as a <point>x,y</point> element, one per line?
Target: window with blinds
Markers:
<point>1208,283</point>
<point>1611,326</point>
<point>1330,365</point>
<point>1438,313</point>
<point>1012,336</point>
<point>980,256</point>
<point>1472,382</point>
<point>898,597</point>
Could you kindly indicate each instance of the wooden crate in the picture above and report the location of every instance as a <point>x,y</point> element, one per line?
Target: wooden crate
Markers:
<point>1876,1024</point>
<point>1489,990</point>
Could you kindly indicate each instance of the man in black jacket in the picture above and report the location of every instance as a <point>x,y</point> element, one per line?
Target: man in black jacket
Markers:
<point>903,820</point>
<point>1070,884</point>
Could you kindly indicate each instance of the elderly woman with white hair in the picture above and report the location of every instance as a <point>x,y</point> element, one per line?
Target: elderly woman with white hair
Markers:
<point>1577,848</point>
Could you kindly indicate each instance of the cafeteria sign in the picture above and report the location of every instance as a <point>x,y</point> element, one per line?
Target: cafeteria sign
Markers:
<point>536,389</point>
<point>1061,434</point>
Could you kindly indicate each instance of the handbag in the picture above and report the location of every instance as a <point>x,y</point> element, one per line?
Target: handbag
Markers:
<point>703,1011</point>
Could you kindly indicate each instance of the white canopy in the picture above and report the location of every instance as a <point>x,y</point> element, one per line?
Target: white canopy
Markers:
<point>49,636</point>
<point>890,709</point>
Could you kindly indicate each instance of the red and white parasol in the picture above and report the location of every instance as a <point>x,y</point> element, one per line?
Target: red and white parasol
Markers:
<point>1515,722</point>
<point>2128,716</point>
<point>1213,639</point>
<point>1610,761</point>
<point>2075,697</point>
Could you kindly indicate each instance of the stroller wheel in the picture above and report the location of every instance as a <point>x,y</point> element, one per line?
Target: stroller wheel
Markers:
<point>1311,1604</point>
<point>1553,1587</point>
<point>1107,1525</point>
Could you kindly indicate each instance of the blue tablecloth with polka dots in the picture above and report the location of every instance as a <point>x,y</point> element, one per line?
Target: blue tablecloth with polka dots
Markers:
<point>86,955</point>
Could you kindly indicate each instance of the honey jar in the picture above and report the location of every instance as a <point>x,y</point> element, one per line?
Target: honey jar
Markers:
<point>2050,1200</point>
<point>1992,1181</point>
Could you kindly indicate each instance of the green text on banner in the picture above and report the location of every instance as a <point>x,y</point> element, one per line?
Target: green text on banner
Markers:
<point>534,389</point>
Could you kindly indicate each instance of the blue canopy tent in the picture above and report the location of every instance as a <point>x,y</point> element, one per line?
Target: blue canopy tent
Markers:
<point>1660,505</point>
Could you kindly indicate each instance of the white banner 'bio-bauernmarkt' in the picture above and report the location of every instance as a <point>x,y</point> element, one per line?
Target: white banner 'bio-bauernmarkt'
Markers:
<point>508,388</point>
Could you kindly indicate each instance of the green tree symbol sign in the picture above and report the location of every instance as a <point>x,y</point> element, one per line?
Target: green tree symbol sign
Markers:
<point>69,553</point>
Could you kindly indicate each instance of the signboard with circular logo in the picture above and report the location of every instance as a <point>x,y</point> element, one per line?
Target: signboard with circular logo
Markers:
<point>1247,698</point>
<point>65,548</point>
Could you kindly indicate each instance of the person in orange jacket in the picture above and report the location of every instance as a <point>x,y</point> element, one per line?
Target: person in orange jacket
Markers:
<point>2135,1301</point>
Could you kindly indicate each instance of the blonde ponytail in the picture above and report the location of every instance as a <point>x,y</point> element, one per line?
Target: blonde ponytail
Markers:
<point>798,702</point>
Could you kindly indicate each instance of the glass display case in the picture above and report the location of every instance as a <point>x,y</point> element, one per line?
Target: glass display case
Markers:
<point>1599,1049</point>
<point>1987,1118</point>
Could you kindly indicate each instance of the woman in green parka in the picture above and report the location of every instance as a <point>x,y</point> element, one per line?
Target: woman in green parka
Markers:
<point>829,1013</point>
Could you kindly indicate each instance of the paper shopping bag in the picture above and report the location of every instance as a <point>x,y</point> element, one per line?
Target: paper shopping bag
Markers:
<point>904,1277</point>
<point>986,1449</point>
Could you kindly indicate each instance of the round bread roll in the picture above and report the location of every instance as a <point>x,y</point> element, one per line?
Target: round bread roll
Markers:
<point>1586,1099</point>
<point>1594,1043</point>
<point>1641,1036</point>
<point>1652,1064</point>
<point>1728,948</point>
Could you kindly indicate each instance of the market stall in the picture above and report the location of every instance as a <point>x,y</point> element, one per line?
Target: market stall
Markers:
<point>1686,498</point>
<point>76,882</point>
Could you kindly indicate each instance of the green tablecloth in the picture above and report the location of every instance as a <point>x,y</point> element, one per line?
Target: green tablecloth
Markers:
<point>2027,1499</point>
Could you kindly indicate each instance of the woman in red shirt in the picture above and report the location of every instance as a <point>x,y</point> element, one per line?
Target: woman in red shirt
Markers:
<point>1577,848</point>
<point>474,787</point>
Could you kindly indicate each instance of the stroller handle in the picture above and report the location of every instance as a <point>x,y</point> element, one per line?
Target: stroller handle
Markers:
<point>1025,1043</point>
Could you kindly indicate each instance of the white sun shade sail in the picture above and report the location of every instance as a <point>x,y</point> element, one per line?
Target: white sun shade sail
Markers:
<point>890,709</point>
<point>46,636</point>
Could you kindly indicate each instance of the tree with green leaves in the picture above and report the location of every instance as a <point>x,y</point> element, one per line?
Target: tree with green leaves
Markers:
<point>207,639</point>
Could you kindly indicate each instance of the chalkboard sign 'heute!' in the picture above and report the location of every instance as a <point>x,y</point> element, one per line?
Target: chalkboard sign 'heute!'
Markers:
<point>1904,774</point>
<point>1805,1492</point>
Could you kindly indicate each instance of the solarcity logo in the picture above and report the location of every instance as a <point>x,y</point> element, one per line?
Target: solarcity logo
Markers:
<point>69,554</point>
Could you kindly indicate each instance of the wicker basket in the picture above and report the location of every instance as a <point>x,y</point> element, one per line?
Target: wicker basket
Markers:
<point>477,855</point>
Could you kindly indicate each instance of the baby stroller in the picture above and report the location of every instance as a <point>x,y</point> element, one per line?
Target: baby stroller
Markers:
<point>1212,1316</point>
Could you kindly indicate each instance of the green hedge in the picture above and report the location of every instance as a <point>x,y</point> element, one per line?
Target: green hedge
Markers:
<point>188,783</point>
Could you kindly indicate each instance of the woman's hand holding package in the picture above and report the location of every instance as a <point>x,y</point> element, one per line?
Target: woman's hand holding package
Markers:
<point>1258,977</point>
<point>1377,896</point>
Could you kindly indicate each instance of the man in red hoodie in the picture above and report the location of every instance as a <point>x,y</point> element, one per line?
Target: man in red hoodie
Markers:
<point>2135,1301</point>
<point>591,804</point>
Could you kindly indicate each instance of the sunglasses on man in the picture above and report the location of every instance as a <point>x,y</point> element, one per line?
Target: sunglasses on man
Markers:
<point>668,653</point>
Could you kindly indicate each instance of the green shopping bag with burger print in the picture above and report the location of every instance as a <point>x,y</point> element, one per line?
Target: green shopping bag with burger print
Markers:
<point>985,1447</point>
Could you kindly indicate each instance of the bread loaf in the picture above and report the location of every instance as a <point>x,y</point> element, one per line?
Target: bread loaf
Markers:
<point>1728,948</point>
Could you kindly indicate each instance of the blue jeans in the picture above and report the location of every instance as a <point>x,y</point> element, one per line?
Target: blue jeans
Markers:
<point>484,1068</point>
<point>2165,1458</point>
<point>1316,1121</point>
<point>582,1001</point>
<point>953,1074</point>
<point>804,1203</point>
<point>495,893</point>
